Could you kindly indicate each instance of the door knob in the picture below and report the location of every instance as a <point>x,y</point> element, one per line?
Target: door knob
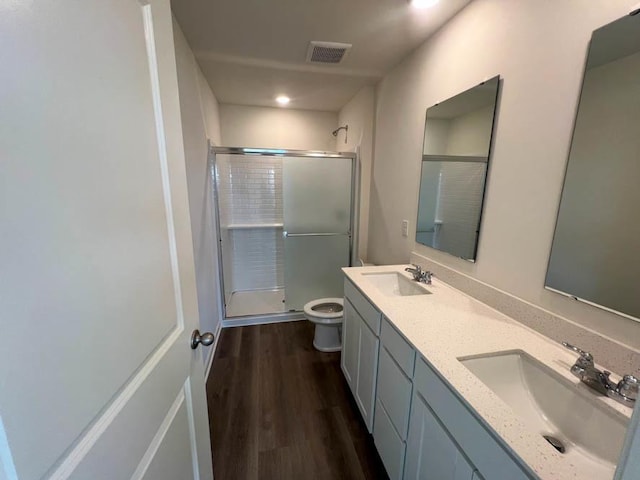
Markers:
<point>205,339</point>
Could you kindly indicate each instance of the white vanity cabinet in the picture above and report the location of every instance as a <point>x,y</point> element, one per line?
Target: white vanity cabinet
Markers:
<point>360,344</point>
<point>421,427</point>
<point>393,399</point>
<point>431,453</point>
<point>447,438</point>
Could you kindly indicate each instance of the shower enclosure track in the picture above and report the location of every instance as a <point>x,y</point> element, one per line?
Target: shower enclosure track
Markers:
<point>277,152</point>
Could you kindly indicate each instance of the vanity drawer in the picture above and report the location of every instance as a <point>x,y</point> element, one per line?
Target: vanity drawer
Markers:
<point>394,392</point>
<point>366,310</point>
<point>479,445</point>
<point>401,350</point>
<point>389,445</point>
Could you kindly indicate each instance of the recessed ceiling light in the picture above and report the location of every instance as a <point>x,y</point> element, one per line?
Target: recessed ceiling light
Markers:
<point>423,3</point>
<point>283,99</point>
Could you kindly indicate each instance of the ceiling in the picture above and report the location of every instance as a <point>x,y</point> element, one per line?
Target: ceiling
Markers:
<point>250,51</point>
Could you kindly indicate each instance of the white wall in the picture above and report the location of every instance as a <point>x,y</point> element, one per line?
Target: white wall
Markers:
<point>470,134</point>
<point>359,115</point>
<point>199,115</point>
<point>263,127</point>
<point>210,108</point>
<point>539,49</point>
<point>436,137</point>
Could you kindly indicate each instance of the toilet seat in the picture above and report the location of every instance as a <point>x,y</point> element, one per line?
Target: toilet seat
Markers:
<point>325,310</point>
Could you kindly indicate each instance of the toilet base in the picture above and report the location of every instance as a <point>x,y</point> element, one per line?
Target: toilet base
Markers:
<point>328,338</point>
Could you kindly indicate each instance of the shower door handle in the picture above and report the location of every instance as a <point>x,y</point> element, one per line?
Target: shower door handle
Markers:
<point>333,234</point>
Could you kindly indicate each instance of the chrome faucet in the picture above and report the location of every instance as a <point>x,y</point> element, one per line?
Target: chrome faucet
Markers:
<point>419,275</point>
<point>625,391</point>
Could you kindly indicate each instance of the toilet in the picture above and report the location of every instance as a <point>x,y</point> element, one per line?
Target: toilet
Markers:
<point>326,313</point>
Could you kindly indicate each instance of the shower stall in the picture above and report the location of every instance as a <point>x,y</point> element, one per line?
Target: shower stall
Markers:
<point>285,224</point>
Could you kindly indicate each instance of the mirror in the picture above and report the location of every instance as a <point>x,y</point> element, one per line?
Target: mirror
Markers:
<point>595,256</point>
<point>455,158</point>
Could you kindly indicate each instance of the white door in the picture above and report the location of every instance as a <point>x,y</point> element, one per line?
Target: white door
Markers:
<point>97,284</point>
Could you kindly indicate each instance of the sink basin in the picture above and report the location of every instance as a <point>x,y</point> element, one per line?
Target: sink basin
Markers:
<point>394,284</point>
<point>572,417</point>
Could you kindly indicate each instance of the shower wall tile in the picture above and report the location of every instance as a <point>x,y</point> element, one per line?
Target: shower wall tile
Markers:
<point>250,190</point>
<point>459,209</point>
<point>257,259</point>
<point>250,202</point>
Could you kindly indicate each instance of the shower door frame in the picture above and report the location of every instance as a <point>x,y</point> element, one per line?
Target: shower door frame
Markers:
<point>276,152</point>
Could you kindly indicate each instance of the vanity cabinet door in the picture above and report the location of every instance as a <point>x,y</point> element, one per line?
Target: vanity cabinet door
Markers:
<point>367,373</point>
<point>350,340</point>
<point>431,453</point>
<point>359,361</point>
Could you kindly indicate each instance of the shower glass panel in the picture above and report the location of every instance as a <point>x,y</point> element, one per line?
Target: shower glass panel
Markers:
<point>284,228</point>
<point>451,194</point>
<point>317,195</point>
<point>312,268</point>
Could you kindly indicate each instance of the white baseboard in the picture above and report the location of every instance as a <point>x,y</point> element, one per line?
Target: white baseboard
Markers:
<point>262,320</point>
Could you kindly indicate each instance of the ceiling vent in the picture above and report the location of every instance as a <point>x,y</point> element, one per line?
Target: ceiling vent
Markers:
<point>327,52</point>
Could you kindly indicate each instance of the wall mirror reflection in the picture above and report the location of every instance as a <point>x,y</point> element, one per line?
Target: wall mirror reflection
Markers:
<point>455,157</point>
<point>595,254</point>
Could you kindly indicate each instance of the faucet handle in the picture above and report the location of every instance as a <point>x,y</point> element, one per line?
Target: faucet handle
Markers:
<point>584,355</point>
<point>628,387</point>
<point>426,276</point>
<point>416,271</point>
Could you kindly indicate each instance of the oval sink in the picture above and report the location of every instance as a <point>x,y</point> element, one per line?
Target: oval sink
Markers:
<point>572,420</point>
<point>395,284</point>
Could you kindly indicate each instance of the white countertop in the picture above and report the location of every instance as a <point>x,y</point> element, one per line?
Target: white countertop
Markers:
<point>448,325</point>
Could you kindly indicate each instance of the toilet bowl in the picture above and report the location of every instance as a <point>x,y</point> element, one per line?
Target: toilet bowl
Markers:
<point>326,313</point>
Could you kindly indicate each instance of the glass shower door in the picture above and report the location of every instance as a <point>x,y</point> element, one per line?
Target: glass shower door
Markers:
<point>317,197</point>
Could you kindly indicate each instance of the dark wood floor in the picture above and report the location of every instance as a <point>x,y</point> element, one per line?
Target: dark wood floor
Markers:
<point>279,409</point>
